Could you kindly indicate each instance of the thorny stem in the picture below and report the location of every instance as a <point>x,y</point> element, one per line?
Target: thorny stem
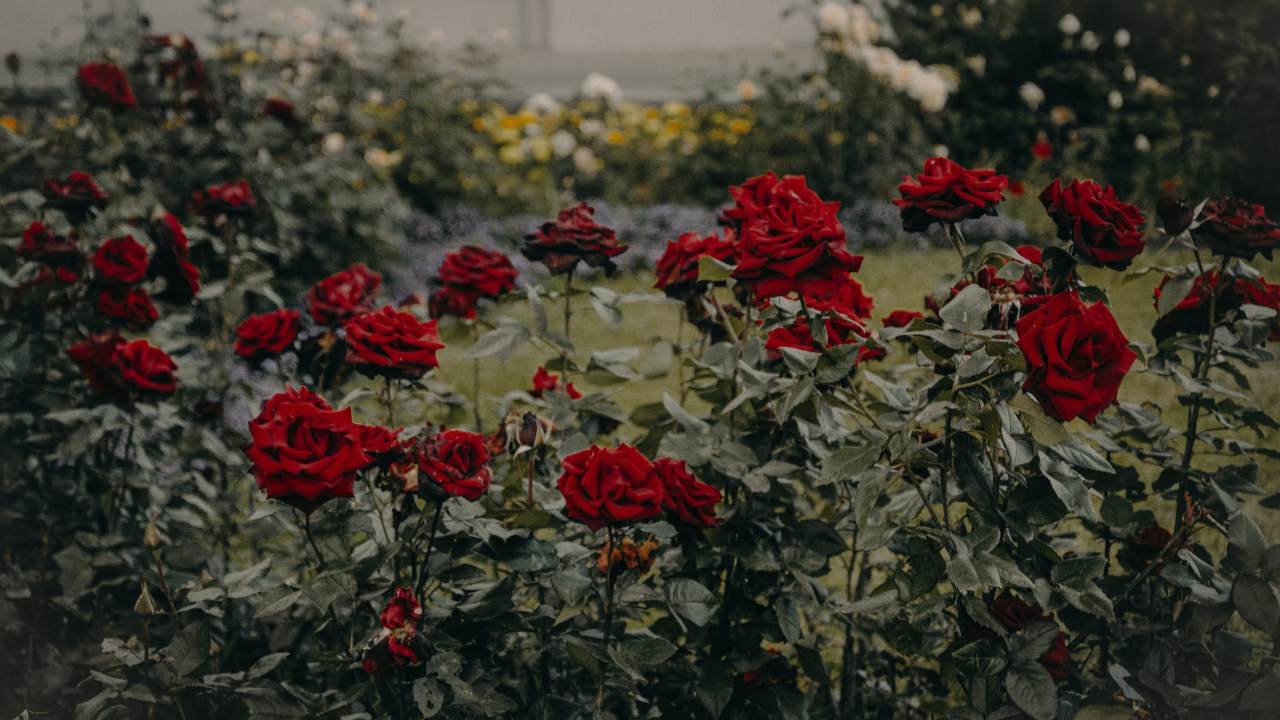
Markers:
<point>388,401</point>
<point>915,482</point>
<point>608,612</point>
<point>306,527</point>
<point>1202,367</point>
<point>684,388</point>
<point>742,346</point>
<point>955,236</point>
<point>431,541</point>
<point>946,453</point>
<point>724,317</point>
<point>475,377</point>
<point>164,586</point>
<point>532,460</point>
<point>568,314</point>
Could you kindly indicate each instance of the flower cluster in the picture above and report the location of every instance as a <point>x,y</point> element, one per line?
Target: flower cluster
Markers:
<point>619,486</point>
<point>468,275</point>
<point>573,236</point>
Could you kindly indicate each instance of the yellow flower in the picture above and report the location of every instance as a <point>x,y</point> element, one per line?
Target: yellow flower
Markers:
<point>738,125</point>
<point>478,124</point>
<point>511,154</point>
<point>836,138</point>
<point>10,123</point>
<point>615,137</point>
<point>512,122</point>
<point>540,148</point>
<point>672,107</point>
<point>651,113</point>
<point>468,107</point>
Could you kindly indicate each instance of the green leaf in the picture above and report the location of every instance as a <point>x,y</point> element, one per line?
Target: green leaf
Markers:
<point>800,362</point>
<point>973,472</point>
<point>1069,486</point>
<point>788,617</point>
<point>967,311</point>
<point>1035,639</point>
<point>683,416</point>
<point>1032,689</point>
<point>428,696</point>
<point>866,495</point>
<point>712,270</point>
<point>657,363</point>
<point>690,599</point>
<point>1245,544</point>
<point>715,687</point>
<point>1174,291</point>
<point>983,658</point>
<point>501,341</point>
<point>1256,602</point>
<point>89,709</point>
<point>847,462</point>
<point>811,663</point>
<point>265,664</point>
<point>1043,428</point>
<point>978,611</point>
<point>190,648</point>
<point>639,653</point>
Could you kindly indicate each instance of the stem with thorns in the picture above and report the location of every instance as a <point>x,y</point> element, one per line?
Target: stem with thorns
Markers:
<point>306,527</point>
<point>431,541</point>
<point>532,460</point>
<point>568,315</point>
<point>608,612</point>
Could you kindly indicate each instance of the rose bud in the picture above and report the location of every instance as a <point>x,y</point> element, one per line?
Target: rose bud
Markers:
<point>1175,214</point>
<point>145,607</point>
<point>151,538</point>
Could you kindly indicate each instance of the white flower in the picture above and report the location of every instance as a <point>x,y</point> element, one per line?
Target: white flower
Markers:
<point>1123,38</point>
<point>930,89</point>
<point>862,29</point>
<point>941,151</point>
<point>502,36</point>
<point>747,90</point>
<point>436,37</point>
<point>533,129</point>
<point>881,61</point>
<point>304,18</point>
<point>592,127</point>
<point>277,17</point>
<point>1115,99</point>
<point>562,143</point>
<point>1069,24</point>
<point>1031,94</point>
<point>598,86</point>
<point>379,158</point>
<point>306,70</point>
<point>542,104</point>
<point>585,161</point>
<point>1213,91</point>
<point>1142,144</point>
<point>312,40</point>
<point>248,83</point>
<point>333,142</point>
<point>971,17</point>
<point>1089,41</point>
<point>363,12</point>
<point>1130,74</point>
<point>905,74</point>
<point>978,64</point>
<point>833,18</point>
<point>328,103</point>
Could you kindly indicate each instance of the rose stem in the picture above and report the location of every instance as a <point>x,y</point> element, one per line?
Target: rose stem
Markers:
<point>1202,372</point>
<point>955,236</point>
<point>608,611</point>
<point>389,400</point>
<point>164,586</point>
<point>532,459</point>
<point>475,382</point>
<point>568,313</point>
<point>306,526</point>
<point>808,319</point>
<point>431,541</point>
<point>684,389</point>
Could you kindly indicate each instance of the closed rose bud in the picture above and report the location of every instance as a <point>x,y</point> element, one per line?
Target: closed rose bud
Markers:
<point>145,607</point>
<point>534,431</point>
<point>151,538</point>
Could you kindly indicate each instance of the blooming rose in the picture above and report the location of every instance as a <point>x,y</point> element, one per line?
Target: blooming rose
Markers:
<point>543,381</point>
<point>840,330</point>
<point>305,454</point>
<point>948,193</point>
<point>901,318</point>
<point>342,296</point>
<point>1076,357</point>
<point>76,197</point>
<point>233,198</point>
<point>610,486</point>
<point>398,643</point>
<point>1042,149</point>
<point>1235,227</point>
<point>790,240</point>
<point>290,395</point>
<point>1014,613</point>
<point>94,356</point>
<point>121,259</point>
<point>1103,230</point>
<point>171,260</point>
<point>281,110</point>
<point>132,306</point>
<point>487,273</point>
<point>689,501</point>
<point>381,444</point>
<point>571,237</point>
<point>851,299</point>
<point>106,84</point>
<point>41,245</point>
<point>267,334</point>
<point>678,267</point>
<point>392,343</point>
<point>145,367</point>
<point>449,300</point>
<point>456,461</point>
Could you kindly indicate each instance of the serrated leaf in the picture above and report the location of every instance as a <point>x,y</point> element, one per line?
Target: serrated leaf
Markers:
<point>983,658</point>
<point>1032,689</point>
<point>190,648</point>
<point>428,696</point>
<point>1256,602</point>
<point>847,462</point>
<point>1175,290</point>
<point>1033,640</point>
<point>967,311</point>
<point>682,416</point>
<point>788,617</point>
<point>266,664</point>
<point>690,599</point>
<point>715,688</point>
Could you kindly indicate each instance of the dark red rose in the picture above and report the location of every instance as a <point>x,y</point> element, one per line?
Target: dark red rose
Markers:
<point>267,334</point>
<point>1076,357</point>
<point>840,331</point>
<point>1017,189</point>
<point>107,85</point>
<point>543,381</point>
<point>901,318</point>
<point>851,299</point>
<point>1145,547</point>
<point>383,445</point>
<point>1191,315</point>
<point>689,501</point>
<point>678,267</point>
<point>1103,230</point>
<point>131,306</point>
<point>392,343</point>
<point>171,260</point>
<point>95,356</point>
<point>233,198</point>
<point>1057,656</point>
<point>456,461</point>
<point>76,197</point>
<point>571,237</point>
<point>791,241</point>
<point>398,643</point>
<point>305,455</point>
<point>474,270</point>
<point>1175,214</point>
<point>290,395</point>
<point>280,110</point>
<point>450,300</point>
<point>121,259</point>
<point>1234,227</point>
<point>753,677</point>
<point>948,193</point>
<point>610,486</point>
<point>1042,150</point>
<point>41,245</point>
<point>1014,613</point>
<point>340,297</point>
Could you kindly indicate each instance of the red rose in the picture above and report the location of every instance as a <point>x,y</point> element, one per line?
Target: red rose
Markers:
<point>1017,189</point>
<point>571,237</point>
<point>290,395</point>
<point>267,334</point>
<point>105,84</point>
<point>450,300</point>
<point>305,455</point>
<point>610,486</point>
<point>1014,613</point>
<point>1175,214</point>
<point>281,110</point>
<point>383,445</point>
<point>456,461</point>
<point>1042,150</point>
<point>1191,315</point>
<point>948,193</point>
<point>171,260</point>
<point>690,501</point>
<point>1234,227</point>
<point>678,267</point>
<point>791,242</point>
<point>398,643</point>
<point>1103,230</point>
<point>1076,357</point>
<point>233,198</point>
<point>132,306</point>
<point>121,259</point>
<point>76,197</point>
<point>94,356</point>
<point>901,318</point>
<point>391,343</point>
<point>485,273</point>
<point>340,297</point>
<point>41,245</point>
<point>851,299</point>
<point>144,367</point>
<point>840,331</point>
<point>543,381</point>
